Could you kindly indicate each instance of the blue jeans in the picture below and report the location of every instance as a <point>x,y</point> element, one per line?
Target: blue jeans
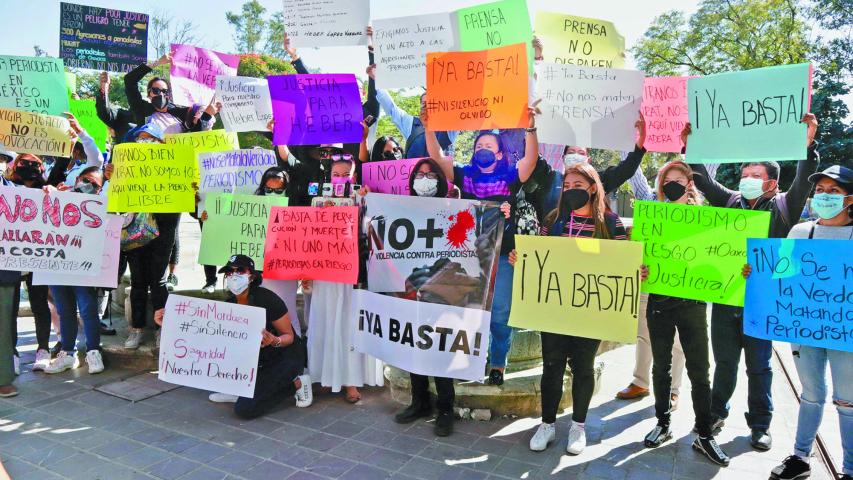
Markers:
<point>811,367</point>
<point>727,341</point>
<point>68,300</point>
<point>501,333</point>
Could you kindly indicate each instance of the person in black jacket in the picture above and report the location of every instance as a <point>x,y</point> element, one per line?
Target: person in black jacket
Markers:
<point>119,119</point>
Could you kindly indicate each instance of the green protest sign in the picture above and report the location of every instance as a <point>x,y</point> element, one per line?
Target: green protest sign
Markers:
<point>85,113</point>
<point>753,115</point>
<point>33,84</point>
<point>493,25</point>
<point>71,83</point>
<point>696,252</point>
<point>236,224</point>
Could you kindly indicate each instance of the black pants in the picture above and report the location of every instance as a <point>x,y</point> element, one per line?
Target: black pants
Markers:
<point>41,312</point>
<point>691,322</point>
<point>274,383</point>
<point>209,270</point>
<point>148,270</point>
<point>175,255</point>
<point>445,397</point>
<point>579,353</point>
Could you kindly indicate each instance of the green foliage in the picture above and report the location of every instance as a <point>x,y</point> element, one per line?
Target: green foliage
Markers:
<point>249,26</point>
<point>259,66</point>
<point>275,36</point>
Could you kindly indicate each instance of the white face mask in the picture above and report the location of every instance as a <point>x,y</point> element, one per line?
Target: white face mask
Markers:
<point>237,283</point>
<point>570,159</point>
<point>425,187</point>
<point>146,140</point>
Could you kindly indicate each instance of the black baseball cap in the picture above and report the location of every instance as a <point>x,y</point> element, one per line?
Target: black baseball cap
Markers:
<point>239,262</point>
<point>842,175</point>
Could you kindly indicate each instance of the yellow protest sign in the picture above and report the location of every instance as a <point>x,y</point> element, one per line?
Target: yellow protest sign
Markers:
<point>577,286</point>
<point>154,178</point>
<point>580,41</point>
<point>26,132</point>
<point>207,141</point>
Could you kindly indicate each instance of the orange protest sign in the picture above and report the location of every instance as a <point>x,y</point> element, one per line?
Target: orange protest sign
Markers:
<point>477,90</point>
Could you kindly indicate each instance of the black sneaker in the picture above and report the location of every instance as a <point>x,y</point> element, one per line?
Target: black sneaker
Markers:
<point>496,377</point>
<point>792,468</point>
<point>847,476</point>
<point>444,424</point>
<point>55,349</point>
<point>656,437</point>
<point>708,447</point>
<point>107,329</point>
<point>413,412</point>
<point>760,440</point>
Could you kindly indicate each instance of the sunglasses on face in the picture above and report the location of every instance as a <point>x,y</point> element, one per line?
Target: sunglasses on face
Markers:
<point>429,175</point>
<point>159,91</point>
<point>273,191</point>
<point>337,157</point>
<point>28,163</point>
<point>236,270</point>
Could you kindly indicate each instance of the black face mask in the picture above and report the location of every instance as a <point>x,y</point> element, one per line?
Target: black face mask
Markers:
<point>574,199</point>
<point>673,191</point>
<point>484,158</point>
<point>392,155</point>
<point>27,172</point>
<point>159,102</point>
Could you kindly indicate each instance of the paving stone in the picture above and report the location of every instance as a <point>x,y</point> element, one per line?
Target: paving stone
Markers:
<point>143,457</point>
<point>366,472</point>
<point>330,466</point>
<point>205,452</point>
<point>236,462</point>
<point>172,468</point>
<point>268,469</point>
<point>205,473</point>
<point>342,428</point>
<point>322,442</point>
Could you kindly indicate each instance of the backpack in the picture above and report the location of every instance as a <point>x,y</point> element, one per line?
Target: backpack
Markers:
<point>138,229</point>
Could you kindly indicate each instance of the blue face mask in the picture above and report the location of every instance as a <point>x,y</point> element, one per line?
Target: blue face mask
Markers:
<point>751,188</point>
<point>828,205</point>
<point>483,158</point>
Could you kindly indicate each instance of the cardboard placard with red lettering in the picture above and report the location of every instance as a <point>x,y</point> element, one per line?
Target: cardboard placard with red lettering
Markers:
<point>665,110</point>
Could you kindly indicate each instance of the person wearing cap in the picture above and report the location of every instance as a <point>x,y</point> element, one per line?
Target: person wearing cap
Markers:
<point>6,157</point>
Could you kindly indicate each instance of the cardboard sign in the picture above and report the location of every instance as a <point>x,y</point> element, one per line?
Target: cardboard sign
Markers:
<point>235,171</point>
<point>107,277</point>
<point>33,84</point>
<point>588,106</point>
<point>326,23</point>
<point>390,176</point>
<point>151,177</point>
<point>25,132</point>
<point>422,338</point>
<point>493,25</point>
<point>312,243</point>
<point>402,44</point>
<point>696,252</point>
<point>753,115</point>
<point>236,224</point>
<point>316,108</point>
<point>665,111</point>
<point>206,141</point>
<point>584,287</point>
<point>582,41</point>
<point>194,70</point>
<point>800,291</point>
<point>56,232</point>
<point>211,345</point>
<point>87,114</point>
<point>477,90</point>
<point>246,104</point>
<point>102,38</point>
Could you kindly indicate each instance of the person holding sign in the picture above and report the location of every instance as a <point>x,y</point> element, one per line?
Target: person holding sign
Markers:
<point>118,119</point>
<point>85,154</point>
<point>758,190</point>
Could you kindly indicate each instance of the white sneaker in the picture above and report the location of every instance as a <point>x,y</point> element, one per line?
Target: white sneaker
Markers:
<point>222,398</point>
<point>305,395</point>
<point>17,361</point>
<point>42,360</point>
<point>95,362</point>
<point>63,361</point>
<point>545,434</point>
<point>577,439</point>
<point>134,338</point>
<point>209,289</point>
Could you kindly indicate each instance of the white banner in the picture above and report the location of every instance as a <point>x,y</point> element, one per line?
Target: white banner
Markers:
<point>56,232</point>
<point>107,277</point>
<point>423,338</point>
<point>211,345</point>
<point>326,23</point>
<point>402,44</point>
<point>236,171</point>
<point>246,104</point>
<point>588,106</point>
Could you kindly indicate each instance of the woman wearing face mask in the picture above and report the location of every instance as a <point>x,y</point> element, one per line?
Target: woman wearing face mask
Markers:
<point>581,212</point>
<point>85,154</point>
<point>385,148</point>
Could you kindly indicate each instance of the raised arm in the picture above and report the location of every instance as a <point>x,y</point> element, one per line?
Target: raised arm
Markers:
<point>531,145</point>
<point>640,186</point>
<point>613,177</point>
<point>716,194</point>
<point>433,148</point>
<point>402,120</point>
<point>102,102</point>
<point>801,187</point>
<point>93,154</point>
<point>139,107</point>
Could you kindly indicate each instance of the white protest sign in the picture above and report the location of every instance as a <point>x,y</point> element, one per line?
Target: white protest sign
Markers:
<point>211,345</point>
<point>235,171</point>
<point>402,44</point>
<point>107,277</point>
<point>246,104</point>
<point>589,106</point>
<point>423,338</point>
<point>326,23</point>
<point>54,232</point>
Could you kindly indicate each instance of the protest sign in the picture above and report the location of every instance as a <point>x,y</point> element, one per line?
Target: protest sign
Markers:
<point>54,232</point>
<point>413,238</point>
<point>211,345</point>
<point>206,141</point>
<point>26,132</point>
<point>70,83</point>
<point>696,252</point>
<point>246,104</point>
<point>496,24</point>
<point>665,111</point>
<point>477,90</point>
<point>108,275</point>
<point>582,41</point>
<point>102,38</point>
<point>194,70</point>
<point>326,23</point>
<point>422,338</point>
<point>589,106</point>
<point>236,171</point>
<point>584,287</point>
<point>33,84</point>
<point>315,108</point>
<point>753,115</point>
<point>390,176</point>
<point>800,291</point>
<point>86,113</point>
<point>236,224</point>
<point>152,177</point>
<point>312,243</point>
<point>402,44</point>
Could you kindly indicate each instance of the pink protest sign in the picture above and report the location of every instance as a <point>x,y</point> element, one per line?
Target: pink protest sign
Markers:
<point>194,70</point>
<point>390,177</point>
<point>315,108</point>
<point>665,110</point>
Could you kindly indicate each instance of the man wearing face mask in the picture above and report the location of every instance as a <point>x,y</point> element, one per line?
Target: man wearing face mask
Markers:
<point>758,190</point>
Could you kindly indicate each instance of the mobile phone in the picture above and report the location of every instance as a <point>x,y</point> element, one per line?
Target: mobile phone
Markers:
<point>327,189</point>
<point>355,187</point>
<point>340,188</point>
<point>313,189</point>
